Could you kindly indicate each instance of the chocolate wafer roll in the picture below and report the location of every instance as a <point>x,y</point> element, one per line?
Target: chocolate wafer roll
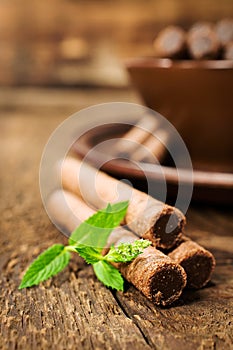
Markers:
<point>153,273</point>
<point>197,262</point>
<point>146,216</point>
<point>224,30</point>
<point>202,41</point>
<point>158,277</point>
<point>170,42</point>
<point>228,51</point>
<point>150,272</point>
<point>63,208</point>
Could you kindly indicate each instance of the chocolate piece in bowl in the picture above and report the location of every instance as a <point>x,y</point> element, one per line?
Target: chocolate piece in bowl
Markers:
<point>228,52</point>
<point>203,42</point>
<point>170,43</point>
<point>224,31</point>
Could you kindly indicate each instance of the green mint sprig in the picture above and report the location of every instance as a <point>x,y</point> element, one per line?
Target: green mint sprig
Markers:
<point>88,240</point>
<point>126,252</point>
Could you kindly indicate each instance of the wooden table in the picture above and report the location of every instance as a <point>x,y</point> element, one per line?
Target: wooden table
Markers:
<point>74,310</point>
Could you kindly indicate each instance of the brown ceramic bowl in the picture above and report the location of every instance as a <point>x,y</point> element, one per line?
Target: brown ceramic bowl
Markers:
<point>196,96</point>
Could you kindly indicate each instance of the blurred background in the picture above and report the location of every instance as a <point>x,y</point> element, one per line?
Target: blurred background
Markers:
<point>84,42</point>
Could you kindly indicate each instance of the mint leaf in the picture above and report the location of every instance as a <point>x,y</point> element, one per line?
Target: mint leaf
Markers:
<point>126,252</point>
<point>89,254</point>
<point>95,230</point>
<point>46,265</point>
<point>108,275</point>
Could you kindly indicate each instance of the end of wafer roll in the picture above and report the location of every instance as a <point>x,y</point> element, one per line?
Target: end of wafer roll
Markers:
<point>197,262</point>
<point>151,219</point>
<point>159,278</point>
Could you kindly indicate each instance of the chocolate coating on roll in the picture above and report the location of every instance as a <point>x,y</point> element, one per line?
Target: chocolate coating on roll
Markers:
<point>155,221</point>
<point>159,278</point>
<point>197,262</point>
<point>146,216</point>
<point>153,273</point>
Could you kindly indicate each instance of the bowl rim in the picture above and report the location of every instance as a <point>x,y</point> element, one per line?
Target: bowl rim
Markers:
<point>167,63</point>
<point>200,178</point>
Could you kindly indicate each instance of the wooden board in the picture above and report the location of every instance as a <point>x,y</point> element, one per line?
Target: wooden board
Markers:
<point>74,310</point>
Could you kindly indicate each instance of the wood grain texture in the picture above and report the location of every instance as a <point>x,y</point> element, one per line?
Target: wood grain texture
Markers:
<point>73,310</point>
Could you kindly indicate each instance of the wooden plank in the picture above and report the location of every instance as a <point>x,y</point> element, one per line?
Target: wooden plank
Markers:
<point>73,310</point>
